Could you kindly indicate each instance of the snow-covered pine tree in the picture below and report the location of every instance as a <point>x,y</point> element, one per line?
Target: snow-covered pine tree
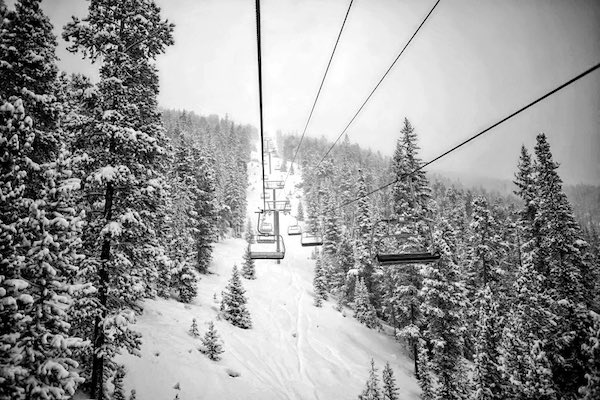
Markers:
<point>332,234</point>
<point>194,329</point>
<point>206,209</point>
<point>364,311</point>
<point>524,374</point>
<point>233,302</point>
<point>344,256</point>
<point>212,343</point>
<point>425,371</point>
<point>118,389</point>
<point>362,251</point>
<point>248,270</point>
<point>372,391</point>
<point>184,281</point>
<point>592,349</point>
<point>561,252</point>
<point>319,282</point>
<point>444,300</point>
<point>124,185</point>
<point>411,197</point>
<point>249,235</point>
<point>488,384</point>
<point>390,390</point>
<point>28,71</point>
<point>16,138</point>
<point>300,212</point>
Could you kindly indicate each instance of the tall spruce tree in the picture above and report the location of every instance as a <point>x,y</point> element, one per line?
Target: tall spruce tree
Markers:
<point>562,253</point>
<point>125,142</point>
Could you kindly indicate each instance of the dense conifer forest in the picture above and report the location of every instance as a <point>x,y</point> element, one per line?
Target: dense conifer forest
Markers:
<point>108,201</point>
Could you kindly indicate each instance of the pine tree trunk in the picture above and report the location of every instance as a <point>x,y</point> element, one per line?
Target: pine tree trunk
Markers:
<point>98,362</point>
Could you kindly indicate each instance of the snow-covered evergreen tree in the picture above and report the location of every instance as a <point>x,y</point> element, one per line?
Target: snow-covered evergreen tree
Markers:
<point>362,251</point>
<point>248,270</point>
<point>372,391</point>
<point>444,300</point>
<point>486,373</point>
<point>592,349</point>
<point>184,281</point>
<point>300,212</point>
<point>233,302</point>
<point>212,343</point>
<point>118,390</point>
<point>561,252</point>
<point>364,311</point>
<point>194,329</point>
<point>425,371</point>
<point>390,390</point>
<point>319,282</point>
<point>526,374</point>
<point>124,183</point>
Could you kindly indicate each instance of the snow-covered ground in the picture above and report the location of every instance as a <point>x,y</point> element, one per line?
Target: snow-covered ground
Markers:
<point>293,351</point>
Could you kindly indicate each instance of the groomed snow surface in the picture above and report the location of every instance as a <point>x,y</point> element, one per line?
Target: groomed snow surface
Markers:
<point>293,351</point>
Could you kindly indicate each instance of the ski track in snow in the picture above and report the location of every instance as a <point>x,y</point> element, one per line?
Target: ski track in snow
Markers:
<point>294,350</point>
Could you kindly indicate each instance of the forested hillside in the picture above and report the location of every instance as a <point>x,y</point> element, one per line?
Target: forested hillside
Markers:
<point>519,270</point>
<point>104,204</point>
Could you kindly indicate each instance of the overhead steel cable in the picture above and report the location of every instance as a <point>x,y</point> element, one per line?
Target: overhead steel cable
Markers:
<point>378,83</point>
<point>320,87</point>
<point>260,103</point>
<point>470,139</point>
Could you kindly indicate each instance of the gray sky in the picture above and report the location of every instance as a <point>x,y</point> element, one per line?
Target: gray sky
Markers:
<point>473,62</point>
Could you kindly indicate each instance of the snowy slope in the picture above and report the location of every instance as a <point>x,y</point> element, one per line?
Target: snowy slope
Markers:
<point>293,351</point>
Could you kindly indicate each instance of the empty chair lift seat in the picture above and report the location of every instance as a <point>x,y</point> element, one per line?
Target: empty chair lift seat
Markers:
<point>267,251</point>
<point>311,239</point>
<point>407,258</point>
<point>294,230</point>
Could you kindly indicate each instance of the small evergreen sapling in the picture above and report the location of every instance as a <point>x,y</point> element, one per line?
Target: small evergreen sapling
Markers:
<point>390,391</point>
<point>212,343</point>
<point>248,270</point>
<point>372,390</point>
<point>118,391</point>
<point>233,302</point>
<point>194,329</point>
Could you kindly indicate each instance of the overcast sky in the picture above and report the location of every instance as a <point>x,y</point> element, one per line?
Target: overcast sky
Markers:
<point>472,63</point>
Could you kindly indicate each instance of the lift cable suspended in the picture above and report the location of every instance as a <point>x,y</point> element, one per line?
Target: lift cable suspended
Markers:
<point>444,154</point>
<point>260,102</point>
<point>319,91</point>
<point>377,85</point>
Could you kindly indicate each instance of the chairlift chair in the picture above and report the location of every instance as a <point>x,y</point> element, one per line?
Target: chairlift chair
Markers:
<point>309,239</point>
<point>267,251</point>
<point>274,184</point>
<point>419,256</point>
<point>266,246</point>
<point>294,230</point>
<point>279,205</point>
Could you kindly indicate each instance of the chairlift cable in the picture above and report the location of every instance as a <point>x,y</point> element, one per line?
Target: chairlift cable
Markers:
<point>319,91</point>
<point>444,154</point>
<point>378,84</point>
<point>260,102</point>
